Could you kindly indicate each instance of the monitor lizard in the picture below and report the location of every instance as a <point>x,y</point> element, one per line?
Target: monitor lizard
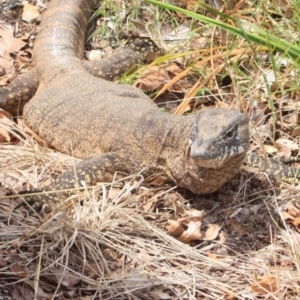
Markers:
<point>115,127</point>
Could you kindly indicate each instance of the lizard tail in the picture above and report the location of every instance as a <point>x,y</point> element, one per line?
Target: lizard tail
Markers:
<point>274,167</point>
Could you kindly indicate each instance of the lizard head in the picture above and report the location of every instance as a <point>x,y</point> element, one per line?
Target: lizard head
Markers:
<point>218,135</point>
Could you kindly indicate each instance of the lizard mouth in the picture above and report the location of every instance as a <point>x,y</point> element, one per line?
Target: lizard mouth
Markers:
<point>218,161</point>
<point>215,154</point>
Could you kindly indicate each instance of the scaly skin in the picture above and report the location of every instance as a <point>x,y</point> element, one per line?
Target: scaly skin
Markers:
<point>118,125</point>
<point>14,97</point>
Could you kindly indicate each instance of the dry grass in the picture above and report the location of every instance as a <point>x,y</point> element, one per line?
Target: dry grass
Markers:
<point>110,248</point>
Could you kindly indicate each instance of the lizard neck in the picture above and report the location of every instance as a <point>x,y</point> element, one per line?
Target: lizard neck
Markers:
<point>175,148</point>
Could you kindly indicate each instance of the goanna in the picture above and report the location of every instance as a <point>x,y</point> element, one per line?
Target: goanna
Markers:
<point>115,127</point>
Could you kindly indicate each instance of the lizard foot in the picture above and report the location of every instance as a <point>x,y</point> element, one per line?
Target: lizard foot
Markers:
<point>142,45</point>
<point>37,200</point>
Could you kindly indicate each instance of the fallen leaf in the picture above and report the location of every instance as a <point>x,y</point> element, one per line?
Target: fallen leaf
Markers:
<point>178,210</point>
<point>157,181</point>
<point>291,220</point>
<point>192,233</point>
<point>30,13</point>
<point>150,205</point>
<point>223,236</point>
<point>293,210</point>
<point>4,133</point>
<point>285,143</point>
<point>266,283</point>
<point>296,132</point>
<point>211,233</point>
<point>214,256</point>
<point>296,223</point>
<point>160,295</point>
<point>113,192</point>
<point>192,215</point>
<point>8,43</point>
<point>4,113</point>
<point>197,215</point>
<point>155,77</point>
<point>237,227</point>
<point>94,54</point>
<point>174,228</point>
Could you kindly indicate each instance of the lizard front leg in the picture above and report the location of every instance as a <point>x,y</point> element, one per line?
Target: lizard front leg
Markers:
<point>19,92</point>
<point>88,172</point>
<point>22,88</point>
<point>123,59</point>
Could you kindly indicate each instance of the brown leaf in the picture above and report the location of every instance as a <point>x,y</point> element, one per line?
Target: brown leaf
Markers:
<point>211,233</point>
<point>178,210</point>
<point>18,270</point>
<point>4,136</point>
<point>192,215</point>
<point>160,295</point>
<point>293,210</point>
<point>156,76</point>
<point>157,181</point>
<point>214,256</point>
<point>237,227</point>
<point>153,78</point>
<point>8,43</point>
<point>4,133</point>
<point>296,223</point>
<point>4,113</point>
<point>174,228</point>
<point>197,215</point>
<point>150,205</point>
<point>113,192</point>
<point>266,283</point>
<point>30,12</point>
<point>285,143</point>
<point>296,132</point>
<point>223,236</point>
<point>192,233</point>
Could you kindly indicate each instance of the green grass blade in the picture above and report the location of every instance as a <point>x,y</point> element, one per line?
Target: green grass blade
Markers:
<point>260,37</point>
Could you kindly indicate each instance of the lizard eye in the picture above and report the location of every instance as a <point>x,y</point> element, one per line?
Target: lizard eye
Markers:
<point>231,132</point>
